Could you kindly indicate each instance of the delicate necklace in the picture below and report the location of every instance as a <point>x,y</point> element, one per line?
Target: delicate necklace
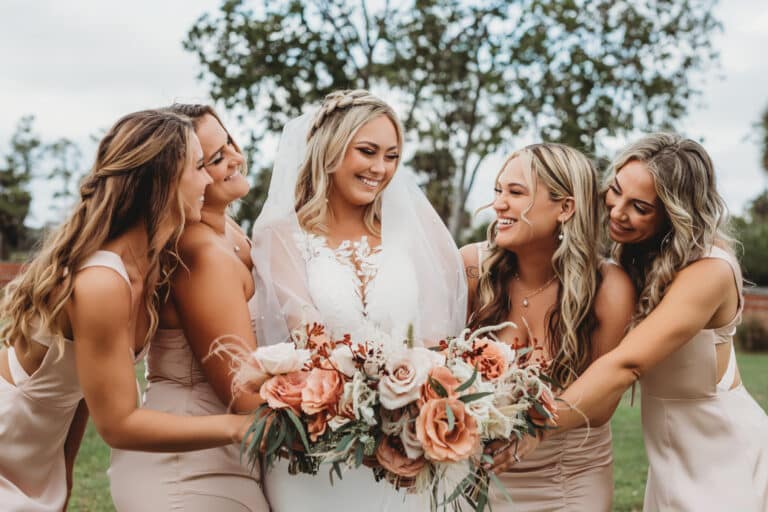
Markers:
<point>538,290</point>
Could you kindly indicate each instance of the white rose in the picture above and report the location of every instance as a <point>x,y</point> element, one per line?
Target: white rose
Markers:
<point>281,358</point>
<point>343,360</point>
<point>407,371</point>
<point>411,444</point>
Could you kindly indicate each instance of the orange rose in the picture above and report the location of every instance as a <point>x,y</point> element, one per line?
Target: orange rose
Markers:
<point>316,425</point>
<point>444,377</point>
<point>322,391</point>
<point>490,358</point>
<point>391,456</point>
<point>440,443</point>
<point>284,391</point>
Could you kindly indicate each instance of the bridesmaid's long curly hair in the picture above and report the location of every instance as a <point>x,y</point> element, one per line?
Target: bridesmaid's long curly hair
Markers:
<point>135,178</point>
<point>565,172</point>
<point>697,218</point>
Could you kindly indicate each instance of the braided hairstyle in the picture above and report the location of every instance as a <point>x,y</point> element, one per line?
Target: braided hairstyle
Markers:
<point>340,116</point>
<point>135,178</point>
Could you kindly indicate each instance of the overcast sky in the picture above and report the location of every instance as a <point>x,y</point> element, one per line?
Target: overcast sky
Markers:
<point>78,65</point>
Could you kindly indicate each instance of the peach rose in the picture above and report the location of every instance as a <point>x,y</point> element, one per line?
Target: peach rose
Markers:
<point>443,376</point>
<point>322,391</point>
<point>490,357</point>
<point>284,391</point>
<point>391,456</point>
<point>316,425</point>
<point>440,443</point>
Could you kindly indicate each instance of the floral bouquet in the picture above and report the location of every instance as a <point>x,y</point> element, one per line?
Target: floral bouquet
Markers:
<point>418,417</point>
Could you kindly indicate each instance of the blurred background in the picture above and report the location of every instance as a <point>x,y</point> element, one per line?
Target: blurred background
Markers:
<point>471,80</point>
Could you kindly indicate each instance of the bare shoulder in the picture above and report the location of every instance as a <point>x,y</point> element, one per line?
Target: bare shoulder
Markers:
<point>616,290</point>
<point>100,294</point>
<point>715,270</point>
<point>469,254</point>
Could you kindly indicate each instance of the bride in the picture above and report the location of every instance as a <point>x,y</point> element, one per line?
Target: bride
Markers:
<point>347,240</point>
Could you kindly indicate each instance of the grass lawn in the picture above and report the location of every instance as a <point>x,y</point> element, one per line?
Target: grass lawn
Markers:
<point>91,491</point>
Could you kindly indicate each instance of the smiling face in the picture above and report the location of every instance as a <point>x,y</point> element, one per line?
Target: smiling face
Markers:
<point>369,163</point>
<point>524,216</point>
<point>222,161</point>
<point>194,180</point>
<point>634,210</point>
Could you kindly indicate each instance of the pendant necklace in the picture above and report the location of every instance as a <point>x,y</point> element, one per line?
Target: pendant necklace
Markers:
<point>538,290</point>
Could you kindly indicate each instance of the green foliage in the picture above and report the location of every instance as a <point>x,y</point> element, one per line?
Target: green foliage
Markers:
<point>764,129</point>
<point>15,175</point>
<point>752,231</point>
<point>471,76</point>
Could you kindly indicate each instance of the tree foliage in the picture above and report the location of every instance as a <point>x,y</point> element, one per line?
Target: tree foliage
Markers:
<point>469,78</point>
<point>752,232</point>
<point>16,172</point>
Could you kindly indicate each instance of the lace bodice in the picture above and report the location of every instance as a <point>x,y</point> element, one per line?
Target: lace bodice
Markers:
<point>359,289</point>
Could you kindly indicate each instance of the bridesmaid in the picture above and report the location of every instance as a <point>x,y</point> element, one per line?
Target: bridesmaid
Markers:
<point>95,286</point>
<point>705,436</point>
<point>209,300</point>
<point>541,269</point>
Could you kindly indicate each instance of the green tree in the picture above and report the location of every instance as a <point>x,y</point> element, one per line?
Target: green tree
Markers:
<point>469,77</point>
<point>752,231</point>
<point>64,158</point>
<point>16,171</point>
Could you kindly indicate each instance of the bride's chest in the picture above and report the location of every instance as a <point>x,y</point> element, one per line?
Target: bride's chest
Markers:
<point>357,282</point>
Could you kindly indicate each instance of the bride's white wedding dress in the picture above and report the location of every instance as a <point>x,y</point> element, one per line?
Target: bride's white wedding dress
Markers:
<point>415,278</point>
<point>359,290</point>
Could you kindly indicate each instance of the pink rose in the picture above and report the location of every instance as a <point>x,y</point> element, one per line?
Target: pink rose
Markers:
<point>407,371</point>
<point>441,443</point>
<point>322,391</point>
<point>284,391</point>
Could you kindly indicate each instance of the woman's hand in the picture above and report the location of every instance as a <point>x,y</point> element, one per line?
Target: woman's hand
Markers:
<point>507,453</point>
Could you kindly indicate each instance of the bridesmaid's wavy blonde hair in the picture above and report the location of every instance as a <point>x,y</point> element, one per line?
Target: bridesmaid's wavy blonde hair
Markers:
<point>340,116</point>
<point>697,217</point>
<point>565,172</point>
<point>135,178</point>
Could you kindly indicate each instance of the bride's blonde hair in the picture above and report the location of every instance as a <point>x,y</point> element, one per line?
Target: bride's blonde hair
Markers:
<point>697,218</point>
<point>340,116</point>
<point>565,172</point>
<point>135,178</point>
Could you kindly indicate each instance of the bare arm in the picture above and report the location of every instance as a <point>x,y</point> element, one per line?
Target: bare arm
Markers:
<point>212,302</point>
<point>99,312</point>
<point>694,301</point>
<point>614,304</point>
<point>472,270</point>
